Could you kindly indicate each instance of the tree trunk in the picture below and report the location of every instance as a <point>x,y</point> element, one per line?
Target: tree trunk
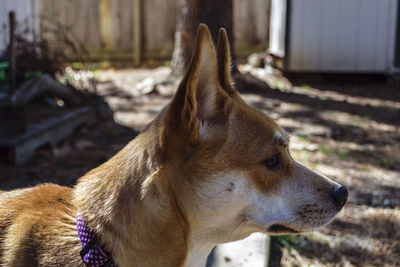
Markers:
<point>214,13</point>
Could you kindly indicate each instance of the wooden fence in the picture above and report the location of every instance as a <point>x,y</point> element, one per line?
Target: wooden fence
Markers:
<point>24,10</point>
<point>106,27</point>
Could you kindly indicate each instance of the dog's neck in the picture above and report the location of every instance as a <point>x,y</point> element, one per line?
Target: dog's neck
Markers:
<point>138,224</point>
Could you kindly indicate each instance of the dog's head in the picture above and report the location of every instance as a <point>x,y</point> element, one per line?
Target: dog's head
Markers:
<point>230,169</point>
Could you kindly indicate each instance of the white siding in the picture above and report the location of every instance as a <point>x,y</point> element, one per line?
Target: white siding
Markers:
<point>341,35</point>
<point>25,14</point>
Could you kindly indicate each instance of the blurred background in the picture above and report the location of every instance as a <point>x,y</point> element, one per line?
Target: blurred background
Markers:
<point>79,79</point>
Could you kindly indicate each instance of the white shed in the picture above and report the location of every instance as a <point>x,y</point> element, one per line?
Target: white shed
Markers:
<point>25,12</point>
<point>336,36</point>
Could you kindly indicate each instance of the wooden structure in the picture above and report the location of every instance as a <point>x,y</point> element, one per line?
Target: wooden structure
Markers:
<point>25,13</point>
<point>109,28</point>
<point>19,148</point>
<point>335,36</point>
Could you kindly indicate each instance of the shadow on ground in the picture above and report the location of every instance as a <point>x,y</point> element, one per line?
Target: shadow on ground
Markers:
<point>346,127</point>
<point>88,147</point>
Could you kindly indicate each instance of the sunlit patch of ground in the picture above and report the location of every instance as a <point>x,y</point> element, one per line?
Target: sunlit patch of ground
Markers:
<point>353,139</point>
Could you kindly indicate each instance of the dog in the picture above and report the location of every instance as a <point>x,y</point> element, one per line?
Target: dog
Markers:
<point>208,169</point>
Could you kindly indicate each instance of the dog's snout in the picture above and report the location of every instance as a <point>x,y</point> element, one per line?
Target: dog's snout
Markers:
<point>339,195</point>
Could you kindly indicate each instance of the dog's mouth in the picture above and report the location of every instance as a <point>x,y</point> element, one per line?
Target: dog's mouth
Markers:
<point>281,229</point>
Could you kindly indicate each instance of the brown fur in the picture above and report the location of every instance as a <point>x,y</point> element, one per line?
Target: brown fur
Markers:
<point>36,225</point>
<point>152,203</point>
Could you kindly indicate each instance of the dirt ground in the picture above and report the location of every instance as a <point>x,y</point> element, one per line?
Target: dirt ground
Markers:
<point>346,127</point>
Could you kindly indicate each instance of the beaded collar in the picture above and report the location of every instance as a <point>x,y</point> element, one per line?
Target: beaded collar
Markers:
<point>92,253</point>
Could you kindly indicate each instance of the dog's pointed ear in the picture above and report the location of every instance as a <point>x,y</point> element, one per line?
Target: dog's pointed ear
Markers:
<point>224,63</point>
<point>199,94</point>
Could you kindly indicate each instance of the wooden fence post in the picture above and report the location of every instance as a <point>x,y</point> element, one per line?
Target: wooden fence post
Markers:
<point>105,23</point>
<point>12,57</point>
<point>137,32</point>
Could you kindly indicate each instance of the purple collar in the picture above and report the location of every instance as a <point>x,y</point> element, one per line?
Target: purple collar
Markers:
<point>92,253</point>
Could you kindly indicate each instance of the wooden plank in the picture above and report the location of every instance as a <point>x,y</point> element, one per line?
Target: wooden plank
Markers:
<point>93,24</point>
<point>242,11</point>
<point>95,29</point>
<point>156,13</point>
<point>254,13</point>
<point>105,23</point>
<point>261,12</point>
<point>59,15</point>
<point>115,25</point>
<point>137,32</point>
<point>21,147</point>
<point>90,24</point>
<point>81,19</point>
<point>126,24</point>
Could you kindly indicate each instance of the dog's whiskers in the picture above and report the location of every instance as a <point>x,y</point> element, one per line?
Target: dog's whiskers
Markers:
<point>245,222</point>
<point>218,193</point>
<point>237,226</point>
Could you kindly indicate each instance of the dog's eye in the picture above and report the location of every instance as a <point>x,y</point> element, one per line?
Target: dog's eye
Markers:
<point>273,162</point>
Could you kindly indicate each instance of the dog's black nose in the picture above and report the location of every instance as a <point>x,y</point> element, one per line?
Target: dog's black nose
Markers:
<point>339,195</point>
